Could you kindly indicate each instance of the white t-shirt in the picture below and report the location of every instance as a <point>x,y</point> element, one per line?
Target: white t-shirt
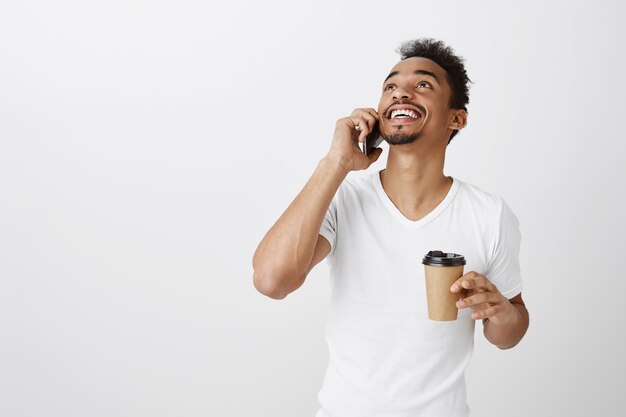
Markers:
<point>386,358</point>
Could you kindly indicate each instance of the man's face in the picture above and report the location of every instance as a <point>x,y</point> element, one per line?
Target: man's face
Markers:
<point>415,102</point>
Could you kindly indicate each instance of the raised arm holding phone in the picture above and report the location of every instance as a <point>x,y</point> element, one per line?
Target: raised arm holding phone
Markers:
<point>293,246</point>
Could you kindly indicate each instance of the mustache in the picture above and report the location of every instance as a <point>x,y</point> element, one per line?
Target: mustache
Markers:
<point>410,103</point>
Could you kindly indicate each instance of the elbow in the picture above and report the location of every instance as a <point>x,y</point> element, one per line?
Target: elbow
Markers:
<point>269,286</point>
<point>507,347</point>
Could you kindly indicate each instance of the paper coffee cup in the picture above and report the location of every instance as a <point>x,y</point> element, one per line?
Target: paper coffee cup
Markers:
<point>442,270</point>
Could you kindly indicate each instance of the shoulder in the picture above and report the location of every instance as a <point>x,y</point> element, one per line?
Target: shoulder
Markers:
<point>491,210</point>
<point>481,201</point>
<point>358,185</point>
<point>484,206</point>
<point>360,180</point>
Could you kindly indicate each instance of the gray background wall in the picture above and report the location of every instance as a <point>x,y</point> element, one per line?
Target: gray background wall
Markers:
<point>146,147</point>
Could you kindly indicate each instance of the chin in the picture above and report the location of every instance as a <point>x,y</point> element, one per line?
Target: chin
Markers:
<point>400,138</point>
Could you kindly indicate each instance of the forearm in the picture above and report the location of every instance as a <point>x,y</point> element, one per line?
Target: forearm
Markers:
<point>507,335</point>
<point>287,248</point>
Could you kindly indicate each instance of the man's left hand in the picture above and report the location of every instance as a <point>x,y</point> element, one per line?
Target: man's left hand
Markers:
<point>484,298</point>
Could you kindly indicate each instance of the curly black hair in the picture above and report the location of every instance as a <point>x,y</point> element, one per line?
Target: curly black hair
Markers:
<point>445,57</point>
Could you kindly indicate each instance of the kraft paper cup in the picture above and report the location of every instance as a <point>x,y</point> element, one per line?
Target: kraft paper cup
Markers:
<point>442,270</point>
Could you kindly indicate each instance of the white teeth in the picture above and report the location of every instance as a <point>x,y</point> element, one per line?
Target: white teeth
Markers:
<point>404,113</point>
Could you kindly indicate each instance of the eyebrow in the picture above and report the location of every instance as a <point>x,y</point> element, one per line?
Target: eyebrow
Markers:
<point>417,71</point>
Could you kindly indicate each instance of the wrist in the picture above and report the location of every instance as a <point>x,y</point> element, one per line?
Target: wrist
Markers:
<point>340,164</point>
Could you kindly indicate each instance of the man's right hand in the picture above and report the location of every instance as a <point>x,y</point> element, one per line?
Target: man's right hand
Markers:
<point>350,132</point>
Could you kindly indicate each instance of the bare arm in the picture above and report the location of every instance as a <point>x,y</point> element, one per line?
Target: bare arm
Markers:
<point>287,248</point>
<point>286,254</point>
<point>507,336</point>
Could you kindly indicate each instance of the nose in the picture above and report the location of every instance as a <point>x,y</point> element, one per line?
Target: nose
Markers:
<point>400,92</point>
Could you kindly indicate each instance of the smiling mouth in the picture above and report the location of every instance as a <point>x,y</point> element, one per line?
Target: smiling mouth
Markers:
<point>401,117</point>
<point>404,114</point>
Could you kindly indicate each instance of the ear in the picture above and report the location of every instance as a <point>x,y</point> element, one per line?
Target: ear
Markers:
<point>459,120</point>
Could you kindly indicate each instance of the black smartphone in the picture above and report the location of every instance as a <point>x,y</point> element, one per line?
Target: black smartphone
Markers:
<point>372,140</point>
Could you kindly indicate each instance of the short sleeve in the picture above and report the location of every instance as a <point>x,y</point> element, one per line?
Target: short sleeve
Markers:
<point>504,268</point>
<point>329,225</point>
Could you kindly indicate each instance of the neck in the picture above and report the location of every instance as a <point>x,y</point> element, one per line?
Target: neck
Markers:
<point>414,181</point>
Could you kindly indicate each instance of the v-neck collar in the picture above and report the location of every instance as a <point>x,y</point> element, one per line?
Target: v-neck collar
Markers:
<point>378,185</point>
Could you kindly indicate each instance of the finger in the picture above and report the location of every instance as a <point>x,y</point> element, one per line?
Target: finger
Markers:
<point>354,121</point>
<point>369,115</point>
<point>471,281</point>
<point>480,307</point>
<point>373,113</point>
<point>364,128</point>
<point>477,299</point>
<point>371,120</point>
<point>480,281</point>
<point>359,125</point>
<point>370,111</point>
<point>465,293</point>
<point>486,313</point>
<point>458,284</point>
<point>462,283</point>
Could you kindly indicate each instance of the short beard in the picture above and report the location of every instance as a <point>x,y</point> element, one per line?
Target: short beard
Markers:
<point>400,138</point>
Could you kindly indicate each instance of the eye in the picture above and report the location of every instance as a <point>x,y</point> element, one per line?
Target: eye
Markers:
<point>424,83</point>
<point>387,87</point>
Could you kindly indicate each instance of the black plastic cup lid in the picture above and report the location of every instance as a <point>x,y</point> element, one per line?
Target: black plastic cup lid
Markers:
<point>439,258</point>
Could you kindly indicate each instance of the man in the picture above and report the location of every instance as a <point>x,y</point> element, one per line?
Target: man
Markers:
<point>386,357</point>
